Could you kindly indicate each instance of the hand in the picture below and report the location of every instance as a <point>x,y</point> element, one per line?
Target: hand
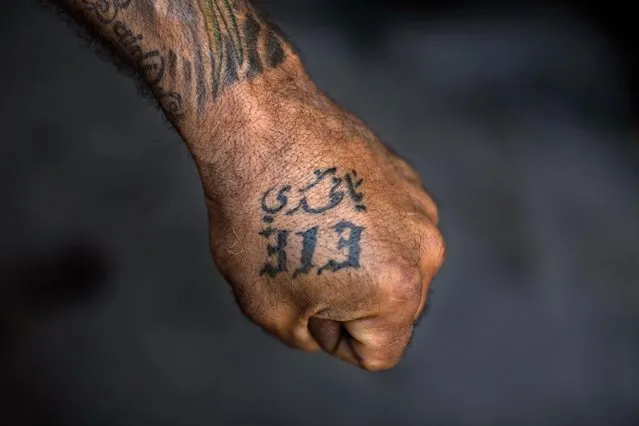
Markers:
<point>326,237</point>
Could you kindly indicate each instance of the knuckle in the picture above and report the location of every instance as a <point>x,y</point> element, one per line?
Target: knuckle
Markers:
<point>250,305</point>
<point>265,318</point>
<point>388,350</point>
<point>271,317</point>
<point>401,283</point>
<point>434,247</point>
<point>428,205</point>
<point>385,360</point>
<point>432,209</point>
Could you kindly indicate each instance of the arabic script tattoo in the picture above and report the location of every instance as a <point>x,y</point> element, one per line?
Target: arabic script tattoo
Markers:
<point>325,191</point>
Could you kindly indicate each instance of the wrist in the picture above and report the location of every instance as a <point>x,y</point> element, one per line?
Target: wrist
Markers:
<point>249,125</point>
<point>240,107</point>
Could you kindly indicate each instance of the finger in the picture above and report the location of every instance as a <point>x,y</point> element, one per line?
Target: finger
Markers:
<point>408,173</point>
<point>302,339</point>
<point>425,204</point>
<point>424,300</point>
<point>402,166</point>
<point>373,343</point>
<point>327,333</point>
<point>433,250</point>
<point>285,323</point>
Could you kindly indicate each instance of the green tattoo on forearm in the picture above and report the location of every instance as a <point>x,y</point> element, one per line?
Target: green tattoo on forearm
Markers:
<point>241,43</point>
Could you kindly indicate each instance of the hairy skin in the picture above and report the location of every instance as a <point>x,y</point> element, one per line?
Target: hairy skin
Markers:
<point>327,238</point>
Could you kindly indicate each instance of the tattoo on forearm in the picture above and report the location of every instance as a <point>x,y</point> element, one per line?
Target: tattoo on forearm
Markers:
<point>240,42</point>
<point>172,65</point>
<point>150,62</point>
<point>326,191</point>
<point>105,10</point>
<point>220,43</point>
<point>152,65</point>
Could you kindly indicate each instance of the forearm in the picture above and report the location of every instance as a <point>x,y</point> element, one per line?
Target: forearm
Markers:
<point>202,59</point>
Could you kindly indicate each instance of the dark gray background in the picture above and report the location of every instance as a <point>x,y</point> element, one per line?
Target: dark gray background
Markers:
<point>112,312</point>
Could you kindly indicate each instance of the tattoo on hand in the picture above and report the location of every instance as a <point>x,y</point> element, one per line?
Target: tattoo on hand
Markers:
<point>327,190</point>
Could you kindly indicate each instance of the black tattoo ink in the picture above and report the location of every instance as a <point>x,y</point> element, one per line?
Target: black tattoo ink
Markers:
<point>231,75</point>
<point>308,250</point>
<point>171,102</point>
<point>152,65</point>
<point>352,244</point>
<point>353,183</point>
<point>172,64</point>
<point>251,35</point>
<point>200,89</point>
<point>232,31</point>
<point>129,41</point>
<point>274,203</point>
<point>240,42</point>
<point>214,85</point>
<point>280,250</point>
<point>281,198</point>
<point>319,176</point>
<point>187,73</point>
<point>106,10</point>
<point>274,50</point>
<point>340,189</point>
<point>334,198</point>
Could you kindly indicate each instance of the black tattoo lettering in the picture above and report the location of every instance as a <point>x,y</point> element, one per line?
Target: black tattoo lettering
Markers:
<point>334,198</point>
<point>172,64</point>
<point>228,43</point>
<point>281,198</point>
<point>152,65</point>
<point>129,41</point>
<point>346,187</point>
<point>171,102</point>
<point>353,183</point>
<point>352,244</point>
<point>105,10</point>
<point>280,250</point>
<point>187,73</point>
<point>308,250</point>
<point>342,187</point>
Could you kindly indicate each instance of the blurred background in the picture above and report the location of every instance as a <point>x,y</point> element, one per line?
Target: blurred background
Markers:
<point>522,122</point>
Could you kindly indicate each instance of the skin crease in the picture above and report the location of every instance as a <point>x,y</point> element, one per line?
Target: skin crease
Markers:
<point>253,120</point>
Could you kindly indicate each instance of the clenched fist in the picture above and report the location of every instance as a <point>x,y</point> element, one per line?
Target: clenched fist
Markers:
<point>327,238</point>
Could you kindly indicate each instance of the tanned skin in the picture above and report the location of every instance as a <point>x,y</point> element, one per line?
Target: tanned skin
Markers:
<point>327,238</point>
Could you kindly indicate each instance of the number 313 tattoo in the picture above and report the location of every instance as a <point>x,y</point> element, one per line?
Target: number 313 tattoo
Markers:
<point>326,191</point>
